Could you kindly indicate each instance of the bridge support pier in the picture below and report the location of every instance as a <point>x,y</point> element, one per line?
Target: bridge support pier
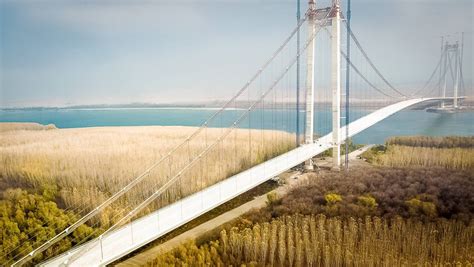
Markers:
<point>309,129</point>
<point>336,84</point>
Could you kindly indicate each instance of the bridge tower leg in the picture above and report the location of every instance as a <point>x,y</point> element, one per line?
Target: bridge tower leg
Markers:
<point>456,77</point>
<point>309,129</point>
<point>441,68</point>
<point>445,76</point>
<point>336,84</point>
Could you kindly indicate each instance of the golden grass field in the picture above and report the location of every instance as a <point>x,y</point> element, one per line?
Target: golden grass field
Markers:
<point>84,166</point>
<point>405,156</point>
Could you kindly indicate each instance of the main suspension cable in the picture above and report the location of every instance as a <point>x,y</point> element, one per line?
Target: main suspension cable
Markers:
<point>372,64</point>
<point>360,73</point>
<point>196,159</point>
<point>431,76</point>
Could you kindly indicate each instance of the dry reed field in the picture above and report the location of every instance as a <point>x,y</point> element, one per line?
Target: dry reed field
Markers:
<point>82,167</point>
<point>319,241</point>
<point>405,156</point>
<point>433,141</point>
<point>450,152</point>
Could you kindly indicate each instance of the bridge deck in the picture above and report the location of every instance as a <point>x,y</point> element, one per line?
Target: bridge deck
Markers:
<point>148,228</point>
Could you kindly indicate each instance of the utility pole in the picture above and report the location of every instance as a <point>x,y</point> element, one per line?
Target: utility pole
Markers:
<point>310,80</point>
<point>298,18</point>
<point>336,83</point>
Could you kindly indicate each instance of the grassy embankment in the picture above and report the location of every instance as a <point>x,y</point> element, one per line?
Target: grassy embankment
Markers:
<point>76,169</point>
<point>372,216</point>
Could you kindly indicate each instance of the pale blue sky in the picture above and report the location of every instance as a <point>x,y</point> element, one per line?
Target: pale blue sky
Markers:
<point>56,53</point>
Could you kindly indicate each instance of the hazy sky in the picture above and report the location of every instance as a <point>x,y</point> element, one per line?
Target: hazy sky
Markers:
<point>68,52</point>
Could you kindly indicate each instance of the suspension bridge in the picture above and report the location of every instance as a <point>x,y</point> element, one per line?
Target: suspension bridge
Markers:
<point>268,100</point>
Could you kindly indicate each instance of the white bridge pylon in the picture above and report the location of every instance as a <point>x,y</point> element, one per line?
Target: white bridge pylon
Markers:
<point>309,127</point>
<point>140,232</point>
<point>336,83</point>
<point>333,20</point>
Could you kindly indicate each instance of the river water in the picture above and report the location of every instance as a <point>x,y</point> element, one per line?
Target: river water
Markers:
<point>407,122</point>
